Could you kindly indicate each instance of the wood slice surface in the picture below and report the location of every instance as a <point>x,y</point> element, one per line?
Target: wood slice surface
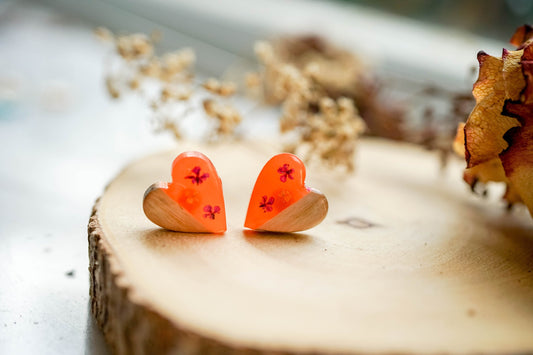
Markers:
<point>407,261</point>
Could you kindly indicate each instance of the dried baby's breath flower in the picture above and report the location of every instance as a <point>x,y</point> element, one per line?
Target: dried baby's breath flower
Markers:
<point>135,83</point>
<point>328,128</point>
<point>134,46</point>
<point>174,92</point>
<point>172,74</point>
<point>103,34</point>
<point>177,62</point>
<point>212,85</point>
<point>227,88</point>
<point>298,71</point>
<point>329,135</point>
<point>289,80</point>
<point>217,87</point>
<point>334,70</point>
<point>168,124</point>
<point>151,69</point>
<point>330,71</point>
<point>252,80</point>
<point>226,115</point>
<point>209,107</point>
<point>112,88</point>
<point>264,52</point>
<point>294,112</point>
<point>312,70</point>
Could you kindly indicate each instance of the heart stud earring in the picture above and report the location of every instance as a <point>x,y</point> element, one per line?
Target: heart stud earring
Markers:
<point>192,202</point>
<point>281,202</point>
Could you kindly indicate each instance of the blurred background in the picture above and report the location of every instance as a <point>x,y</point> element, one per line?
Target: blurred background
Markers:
<point>494,19</point>
<point>63,138</point>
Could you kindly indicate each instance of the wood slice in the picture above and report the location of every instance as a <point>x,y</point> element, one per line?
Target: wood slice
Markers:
<point>407,261</point>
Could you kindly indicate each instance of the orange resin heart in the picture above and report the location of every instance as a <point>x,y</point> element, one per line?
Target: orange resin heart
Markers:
<point>192,202</point>
<point>280,200</point>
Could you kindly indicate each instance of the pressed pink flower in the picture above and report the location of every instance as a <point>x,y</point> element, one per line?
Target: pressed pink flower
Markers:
<point>267,203</point>
<point>211,211</point>
<point>195,177</point>
<point>285,173</point>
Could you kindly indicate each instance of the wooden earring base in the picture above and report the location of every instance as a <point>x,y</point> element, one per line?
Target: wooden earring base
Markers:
<point>304,214</point>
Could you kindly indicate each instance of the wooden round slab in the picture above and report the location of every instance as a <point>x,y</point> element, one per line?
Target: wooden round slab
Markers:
<point>407,261</point>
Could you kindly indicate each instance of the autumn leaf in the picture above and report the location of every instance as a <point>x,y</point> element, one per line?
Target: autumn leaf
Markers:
<point>499,79</point>
<point>498,135</point>
<point>522,36</point>
<point>517,160</point>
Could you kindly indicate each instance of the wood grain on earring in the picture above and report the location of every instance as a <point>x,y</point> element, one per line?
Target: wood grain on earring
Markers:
<point>167,213</point>
<point>305,213</point>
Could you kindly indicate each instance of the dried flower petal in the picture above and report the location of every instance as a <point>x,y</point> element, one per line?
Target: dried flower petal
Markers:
<point>103,34</point>
<point>227,89</point>
<point>211,85</point>
<point>264,51</point>
<point>151,69</point>
<point>226,115</point>
<point>176,62</point>
<point>135,83</point>
<point>112,88</point>
<point>217,87</point>
<point>134,46</point>
<point>252,80</point>
<point>173,92</point>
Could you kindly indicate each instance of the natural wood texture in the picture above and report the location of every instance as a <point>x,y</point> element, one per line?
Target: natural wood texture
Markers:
<point>407,261</point>
<point>305,213</point>
<point>167,213</point>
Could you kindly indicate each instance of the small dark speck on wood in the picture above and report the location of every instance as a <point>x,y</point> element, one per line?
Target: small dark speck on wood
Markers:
<point>71,273</point>
<point>356,222</point>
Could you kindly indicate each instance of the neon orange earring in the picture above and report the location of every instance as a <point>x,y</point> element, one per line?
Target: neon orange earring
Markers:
<point>280,200</point>
<point>192,202</point>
